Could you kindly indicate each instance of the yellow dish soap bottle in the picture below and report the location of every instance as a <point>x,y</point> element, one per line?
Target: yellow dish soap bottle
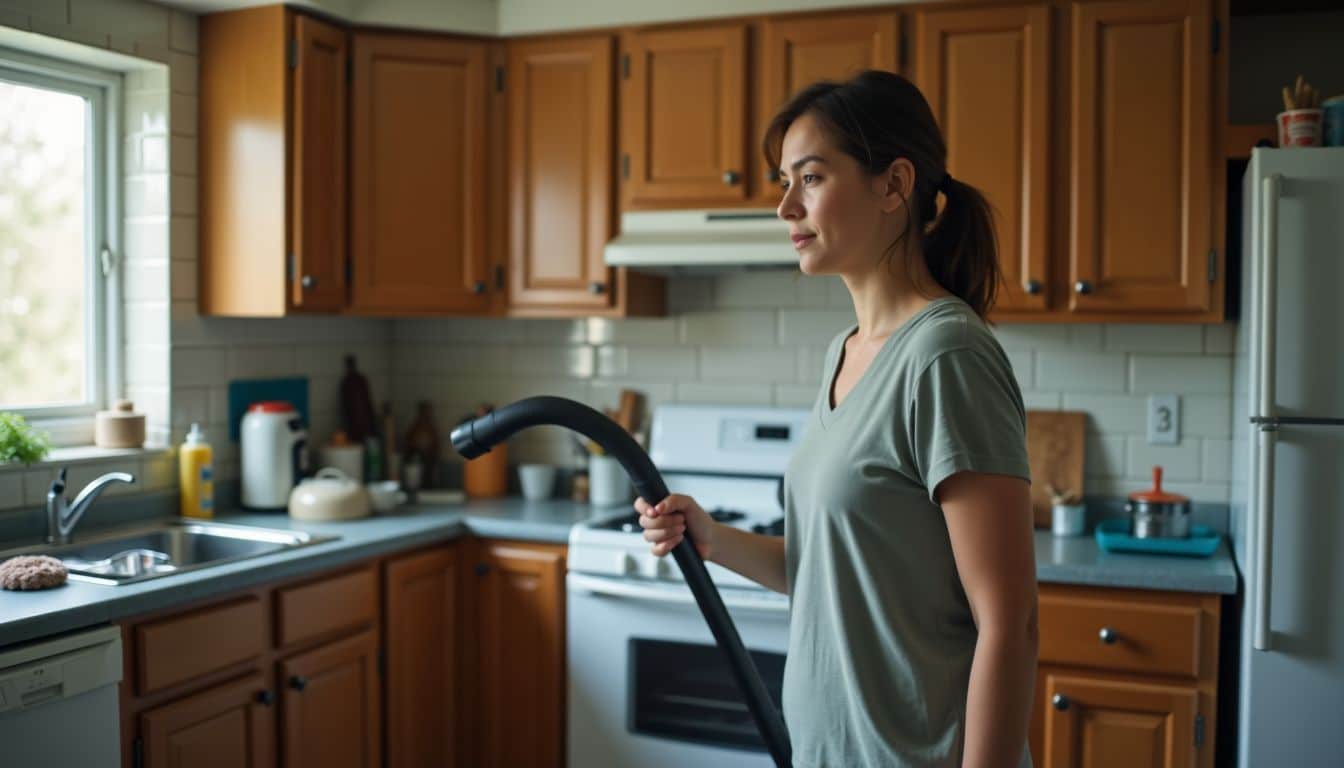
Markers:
<point>196,475</point>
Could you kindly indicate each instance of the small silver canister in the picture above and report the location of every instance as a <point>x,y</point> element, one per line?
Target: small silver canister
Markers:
<point>1156,514</point>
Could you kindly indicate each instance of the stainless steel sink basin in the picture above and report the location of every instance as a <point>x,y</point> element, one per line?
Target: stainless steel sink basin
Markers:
<point>131,555</point>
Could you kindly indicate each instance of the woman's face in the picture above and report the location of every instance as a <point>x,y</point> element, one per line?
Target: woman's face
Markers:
<point>839,215</point>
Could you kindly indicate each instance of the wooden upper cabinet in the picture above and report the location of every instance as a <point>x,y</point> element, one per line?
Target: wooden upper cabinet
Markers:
<point>1142,171</point>
<point>422,683</point>
<point>418,177</point>
<point>521,656</point>
<point>684,117</point>
<point>272,163</point>
<point>986,75</point>
<point>331,707</point>
<point>319,217</point>
<point>230,724</point>
<point>1105,723</point>
<point>798,51</point>
<point>560,95</point>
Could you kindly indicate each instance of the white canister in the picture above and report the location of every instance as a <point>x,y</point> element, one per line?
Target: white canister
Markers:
<point>1068,519</point>
<point>608,485</point>
<point>537,481</point>
<point>347,458</point>
<point>273,452</point>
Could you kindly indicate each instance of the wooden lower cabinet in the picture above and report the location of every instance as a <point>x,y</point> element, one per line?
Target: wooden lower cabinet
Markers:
<point>1090,721</point>
<point>520,656</point>
<point>331,707</point>
<point>229,725</point>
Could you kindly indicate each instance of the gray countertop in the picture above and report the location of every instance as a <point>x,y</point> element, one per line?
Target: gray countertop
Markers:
<point>28,615</point>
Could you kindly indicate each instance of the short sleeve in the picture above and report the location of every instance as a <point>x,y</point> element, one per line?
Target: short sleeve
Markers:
<point>967,415</point>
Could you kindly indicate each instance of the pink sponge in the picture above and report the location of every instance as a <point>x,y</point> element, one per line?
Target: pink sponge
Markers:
<point>32,572</point>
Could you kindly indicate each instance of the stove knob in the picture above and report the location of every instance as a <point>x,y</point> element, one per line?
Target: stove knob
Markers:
<point>661,569</point>
<point>625,564</point>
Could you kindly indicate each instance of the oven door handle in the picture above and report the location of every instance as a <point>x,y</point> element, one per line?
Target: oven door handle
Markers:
<point>633,591</point>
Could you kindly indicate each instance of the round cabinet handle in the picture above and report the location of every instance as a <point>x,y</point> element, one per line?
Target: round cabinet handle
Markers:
<point>308,281</point>
<point>1108,635</point>
<point>479,287</point>
<point>298,682</point>
<point>597,288</point>
<point>482,569</point>
<point>1060,702</point>
<point>731,177</point>
<point>265,698</point>
<point>1082,287</point>
<point>1033,287</point>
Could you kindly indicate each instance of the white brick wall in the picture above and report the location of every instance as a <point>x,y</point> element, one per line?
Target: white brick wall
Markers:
<point>759,339</point>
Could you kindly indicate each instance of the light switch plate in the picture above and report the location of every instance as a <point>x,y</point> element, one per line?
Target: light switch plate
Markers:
<point>1164,419</point>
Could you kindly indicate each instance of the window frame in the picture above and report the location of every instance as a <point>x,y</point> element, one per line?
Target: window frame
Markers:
<point>73,424</point>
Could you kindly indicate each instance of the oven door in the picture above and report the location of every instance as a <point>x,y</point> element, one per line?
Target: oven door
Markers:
<point>647,684</point>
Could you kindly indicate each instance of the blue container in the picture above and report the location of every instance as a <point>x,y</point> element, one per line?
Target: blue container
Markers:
<point>1332,133</point>
<point>1113,536</point>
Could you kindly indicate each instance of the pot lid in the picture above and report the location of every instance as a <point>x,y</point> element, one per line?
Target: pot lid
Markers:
<point>1157,494</point>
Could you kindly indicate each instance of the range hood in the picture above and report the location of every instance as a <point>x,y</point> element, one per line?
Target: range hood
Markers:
<point>678,242</point>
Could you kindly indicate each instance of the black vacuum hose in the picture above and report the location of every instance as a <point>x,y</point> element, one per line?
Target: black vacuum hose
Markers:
<point>474,438</point>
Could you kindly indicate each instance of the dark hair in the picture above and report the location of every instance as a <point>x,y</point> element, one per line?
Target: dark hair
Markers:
<point>876,117</point>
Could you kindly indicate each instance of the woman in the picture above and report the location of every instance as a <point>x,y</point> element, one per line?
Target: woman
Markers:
<point>908,548</point>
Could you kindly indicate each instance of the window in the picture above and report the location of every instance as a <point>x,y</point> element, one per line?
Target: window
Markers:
<point>58,284</point>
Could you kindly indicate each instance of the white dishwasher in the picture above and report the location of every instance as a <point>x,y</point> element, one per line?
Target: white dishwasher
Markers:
<point>58,701</point>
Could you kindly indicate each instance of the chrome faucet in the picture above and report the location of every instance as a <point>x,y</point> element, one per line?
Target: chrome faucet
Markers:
<point>63,516</point>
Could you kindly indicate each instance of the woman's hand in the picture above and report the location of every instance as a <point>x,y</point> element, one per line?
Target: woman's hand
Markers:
<point>666,522</point>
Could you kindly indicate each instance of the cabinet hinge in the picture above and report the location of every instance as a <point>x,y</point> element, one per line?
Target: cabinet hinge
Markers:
<point>499,79</point>
<point>138,753</point>
<point>1213,265</point>
<point>292,54</point>
<point>625,166</point>
<point>903,51</point>
<point>1199,730</point>
<point>499,277</point>
<point>625,66</point>
<point>1217,35</point>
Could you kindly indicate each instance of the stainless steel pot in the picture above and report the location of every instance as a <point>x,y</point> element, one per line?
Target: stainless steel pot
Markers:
<point>1156,514</point>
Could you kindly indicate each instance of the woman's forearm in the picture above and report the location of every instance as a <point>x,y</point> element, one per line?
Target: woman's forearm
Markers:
<point>758,557</point>
<point>999,700</point>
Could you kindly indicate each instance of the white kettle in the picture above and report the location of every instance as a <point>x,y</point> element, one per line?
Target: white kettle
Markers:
<point>274,454</point>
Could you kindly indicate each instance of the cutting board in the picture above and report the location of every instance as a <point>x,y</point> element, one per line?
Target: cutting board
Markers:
<point>1055,449</point>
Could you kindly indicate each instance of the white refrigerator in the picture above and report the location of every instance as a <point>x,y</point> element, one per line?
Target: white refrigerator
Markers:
<point>1288,460</point>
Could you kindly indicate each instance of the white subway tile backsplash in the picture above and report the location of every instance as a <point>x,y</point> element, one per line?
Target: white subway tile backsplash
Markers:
<point>807,326</point>
<point>144,280</point>
<point>1024,367</point>
<point>1186,375</point>
<point>183,31</point>
<point>561,361</point>
<point>182,112</point>
<point>648,362</point>
<point>146,238</point>
<point>600,330</point>
<point>711,393</point>
<point>1217,461</point>
<point>198,366</point>
<point>795,395</point>
<point>1104,455</point>
<point>147,195</point>
<point>1060,371</point>
<point>1042,401</point>
<point>744,327</point>
<point>145,322</point>
<point>184,280</point>
<point>1220,339</point>
<point>146,365</point>
<point>759,364</point>
<point>1179,462</point>
<point>182,191</point>
<point>1206,416</point>
<point>1180,339</point>
<point>1110,414</point>
<point>760,290</point>
<point>182,233</point>
<point>185,77</point>
<point>690,294</point>
<point>191,404</point>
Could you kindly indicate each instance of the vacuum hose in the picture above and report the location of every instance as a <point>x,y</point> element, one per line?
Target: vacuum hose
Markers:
<point>475,437</point>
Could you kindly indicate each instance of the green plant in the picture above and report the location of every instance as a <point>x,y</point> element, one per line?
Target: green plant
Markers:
<point>19,441</point>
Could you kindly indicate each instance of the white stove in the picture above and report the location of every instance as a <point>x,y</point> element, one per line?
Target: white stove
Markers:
<point>647,684</point>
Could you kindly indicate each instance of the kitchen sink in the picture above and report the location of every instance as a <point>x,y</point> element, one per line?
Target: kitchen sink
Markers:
<point>127,556</point>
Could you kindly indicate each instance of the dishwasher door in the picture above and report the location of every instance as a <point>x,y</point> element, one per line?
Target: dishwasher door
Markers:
<point>58,701</point>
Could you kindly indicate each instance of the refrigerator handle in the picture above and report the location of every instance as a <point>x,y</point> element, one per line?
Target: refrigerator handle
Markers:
<point>1264,503</point>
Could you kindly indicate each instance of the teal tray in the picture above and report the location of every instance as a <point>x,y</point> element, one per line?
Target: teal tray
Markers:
<point>1113,536</point>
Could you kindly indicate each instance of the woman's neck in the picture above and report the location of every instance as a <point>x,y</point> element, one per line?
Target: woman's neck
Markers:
<point>890,293</point>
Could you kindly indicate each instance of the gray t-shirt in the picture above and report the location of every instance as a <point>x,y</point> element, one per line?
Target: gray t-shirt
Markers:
<point>881,635</point>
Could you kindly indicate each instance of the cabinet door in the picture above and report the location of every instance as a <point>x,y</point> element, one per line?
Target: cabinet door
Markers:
<point>685,117</point>
<point>521,654</point>
<point>560,151</point>
<point>228,726</point>
<point>317,279</point>
<point>990,67</point>
<point>1142,162</point>
<point>799,51</point>
<point>418,181</point>
<point>422,676</point>
<point>1098,723</point>
<point>331,705</point>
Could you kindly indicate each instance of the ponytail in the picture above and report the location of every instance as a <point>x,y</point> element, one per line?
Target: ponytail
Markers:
<point>960,249</point>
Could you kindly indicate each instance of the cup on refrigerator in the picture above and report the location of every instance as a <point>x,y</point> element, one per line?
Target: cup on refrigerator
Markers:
<point>1300,128</point>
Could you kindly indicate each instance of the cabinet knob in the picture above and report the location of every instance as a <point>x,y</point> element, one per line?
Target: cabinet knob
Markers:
<point>1108,635</point>
<point>298,682</point>
<point>597,288</point>
<point>308,281</point>
<point>265,698</point>
<point>1033,287</point>
<point>731,177</point>
<point>482,569</point>
<point>1060,702</point>
<point>1082,287</point>
<point>479,287</point>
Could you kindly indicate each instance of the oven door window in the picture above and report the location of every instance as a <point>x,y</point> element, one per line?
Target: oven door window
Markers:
<point>686,691</point>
